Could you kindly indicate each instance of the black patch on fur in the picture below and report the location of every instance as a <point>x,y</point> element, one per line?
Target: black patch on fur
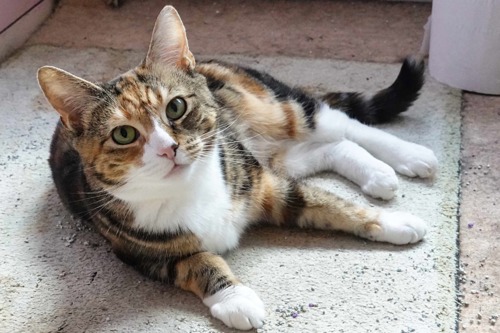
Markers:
<point>244,185</point>
<point>151,266</point>
<point>222,158</point>
<point>67,172</point>
<point>207,275</point>
<point>112,86</point>
<point>214,84</point>
<point>294,204</point>
<point>155,268</point>
<point>221,283</point>
<point>142,78</point>
<point>284,92</point>
<point>249,164</point>
<point>250,161</point>
<point>387,103</point>
<point>70,183</point>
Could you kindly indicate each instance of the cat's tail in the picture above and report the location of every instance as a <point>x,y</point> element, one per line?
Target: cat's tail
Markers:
<point>387,103</point>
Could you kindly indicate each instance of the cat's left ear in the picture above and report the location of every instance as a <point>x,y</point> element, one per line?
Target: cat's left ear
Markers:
<point>169,45</point>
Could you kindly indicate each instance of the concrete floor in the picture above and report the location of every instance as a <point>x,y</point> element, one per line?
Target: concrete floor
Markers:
<point>361,31</point>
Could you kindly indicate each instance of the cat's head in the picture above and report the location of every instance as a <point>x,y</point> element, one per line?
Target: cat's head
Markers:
<point>148,125</point>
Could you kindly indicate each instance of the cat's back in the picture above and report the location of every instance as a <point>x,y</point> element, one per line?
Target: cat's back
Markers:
<point>262,107</point>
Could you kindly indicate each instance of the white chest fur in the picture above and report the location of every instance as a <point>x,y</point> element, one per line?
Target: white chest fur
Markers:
<point>194,201</point>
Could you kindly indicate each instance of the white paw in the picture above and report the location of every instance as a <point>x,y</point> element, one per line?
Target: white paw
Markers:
<point>237,306</point>
<point>417,160</point>
<point>381,184</point>
<point>397,228</point>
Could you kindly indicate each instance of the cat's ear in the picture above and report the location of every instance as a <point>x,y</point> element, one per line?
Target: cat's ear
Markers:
<point>67,93</point>
<point>169,45</point>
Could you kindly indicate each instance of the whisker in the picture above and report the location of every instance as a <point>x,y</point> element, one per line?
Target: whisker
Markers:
<point>99,208</point>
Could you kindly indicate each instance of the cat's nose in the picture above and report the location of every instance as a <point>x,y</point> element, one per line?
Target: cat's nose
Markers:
<point>169,151</point>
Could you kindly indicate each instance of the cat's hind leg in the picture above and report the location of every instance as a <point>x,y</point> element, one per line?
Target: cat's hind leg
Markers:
<point>287,202</point>
<point>346,158</point>
<point>327,148</point>
<point>405,157</point>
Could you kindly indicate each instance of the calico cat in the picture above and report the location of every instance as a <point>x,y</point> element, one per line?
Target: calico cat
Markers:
<point>173,160</point>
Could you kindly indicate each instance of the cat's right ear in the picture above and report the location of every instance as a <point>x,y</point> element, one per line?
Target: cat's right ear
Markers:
<point>169,45</point>
<point>68,94</point>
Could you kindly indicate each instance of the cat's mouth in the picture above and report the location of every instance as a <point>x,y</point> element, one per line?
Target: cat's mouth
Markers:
<point>176,170</point>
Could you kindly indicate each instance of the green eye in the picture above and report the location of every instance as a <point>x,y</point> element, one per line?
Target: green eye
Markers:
<point>124,135</point>
<point>176,108</point>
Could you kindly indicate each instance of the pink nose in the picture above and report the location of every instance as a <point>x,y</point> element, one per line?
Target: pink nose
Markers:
<point>169,151</point>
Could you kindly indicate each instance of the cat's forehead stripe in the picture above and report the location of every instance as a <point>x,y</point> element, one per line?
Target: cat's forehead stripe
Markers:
<point>151,96</point>
<point>127,81</point>
<point>139,90</point>
<point>123,114</point>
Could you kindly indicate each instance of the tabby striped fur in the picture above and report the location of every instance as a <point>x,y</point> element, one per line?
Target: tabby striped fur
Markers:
<point>185,189</point>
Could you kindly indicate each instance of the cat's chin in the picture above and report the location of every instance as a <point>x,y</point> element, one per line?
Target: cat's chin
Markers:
<point>176,171</point>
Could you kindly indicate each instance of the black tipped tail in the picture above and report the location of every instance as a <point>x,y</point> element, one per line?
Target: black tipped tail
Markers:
<point>387,103</point>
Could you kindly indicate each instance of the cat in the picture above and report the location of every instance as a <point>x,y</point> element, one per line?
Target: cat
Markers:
<point>172,161</point>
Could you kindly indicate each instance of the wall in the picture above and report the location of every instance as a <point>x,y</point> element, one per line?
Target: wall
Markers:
<point>18,20</point>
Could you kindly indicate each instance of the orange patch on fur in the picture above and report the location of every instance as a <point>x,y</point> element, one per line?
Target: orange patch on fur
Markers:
<point>372,228</point>
<point>251,86</point>
<point>291,124</point>
<point>267,197</point>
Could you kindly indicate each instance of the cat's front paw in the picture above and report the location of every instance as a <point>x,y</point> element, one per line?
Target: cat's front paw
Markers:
<point>381,184</point>
<point>237,306</point>
<point>417,161</point>
<point>397,228</point>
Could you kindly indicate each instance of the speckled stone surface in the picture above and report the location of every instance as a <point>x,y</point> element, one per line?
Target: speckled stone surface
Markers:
<point>479,215</point>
